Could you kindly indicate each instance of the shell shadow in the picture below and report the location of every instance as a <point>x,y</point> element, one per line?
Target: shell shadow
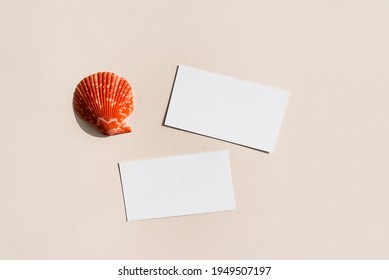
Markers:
<point>87,127</point>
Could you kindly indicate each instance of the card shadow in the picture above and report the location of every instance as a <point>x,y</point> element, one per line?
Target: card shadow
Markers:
<point>170,97</point>
<point>124,199</point>
<point>180,129</point>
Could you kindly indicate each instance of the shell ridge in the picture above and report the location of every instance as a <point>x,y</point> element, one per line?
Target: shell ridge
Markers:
<point>115,87</point>
<point>107,94</point>
<point>122,95</point>
<point>81,102</point>
<point>109,78</point>
<point>90,96</point>
<point>101,94</point>
<point>96,88</point>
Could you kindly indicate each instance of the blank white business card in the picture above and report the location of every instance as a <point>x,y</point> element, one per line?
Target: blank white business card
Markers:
<point>226,108</point>
<point>179,185</point>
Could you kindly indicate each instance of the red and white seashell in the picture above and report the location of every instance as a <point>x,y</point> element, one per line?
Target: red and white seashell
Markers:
<point>105,100</point>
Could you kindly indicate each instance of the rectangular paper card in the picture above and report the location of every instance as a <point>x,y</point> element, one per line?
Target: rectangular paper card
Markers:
<point>179,185</point>
<point>226,108</point>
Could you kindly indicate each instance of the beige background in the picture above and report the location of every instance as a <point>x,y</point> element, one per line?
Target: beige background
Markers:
<point>323,193</point>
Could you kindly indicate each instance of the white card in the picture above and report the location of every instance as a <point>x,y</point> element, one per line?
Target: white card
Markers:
<point>179,185</point>
<point>226,108</point>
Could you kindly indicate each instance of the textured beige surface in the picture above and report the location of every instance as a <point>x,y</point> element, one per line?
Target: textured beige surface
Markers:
<point>323,193</point>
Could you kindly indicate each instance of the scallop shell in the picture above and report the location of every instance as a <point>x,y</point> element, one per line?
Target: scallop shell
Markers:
<point>105,100</point>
